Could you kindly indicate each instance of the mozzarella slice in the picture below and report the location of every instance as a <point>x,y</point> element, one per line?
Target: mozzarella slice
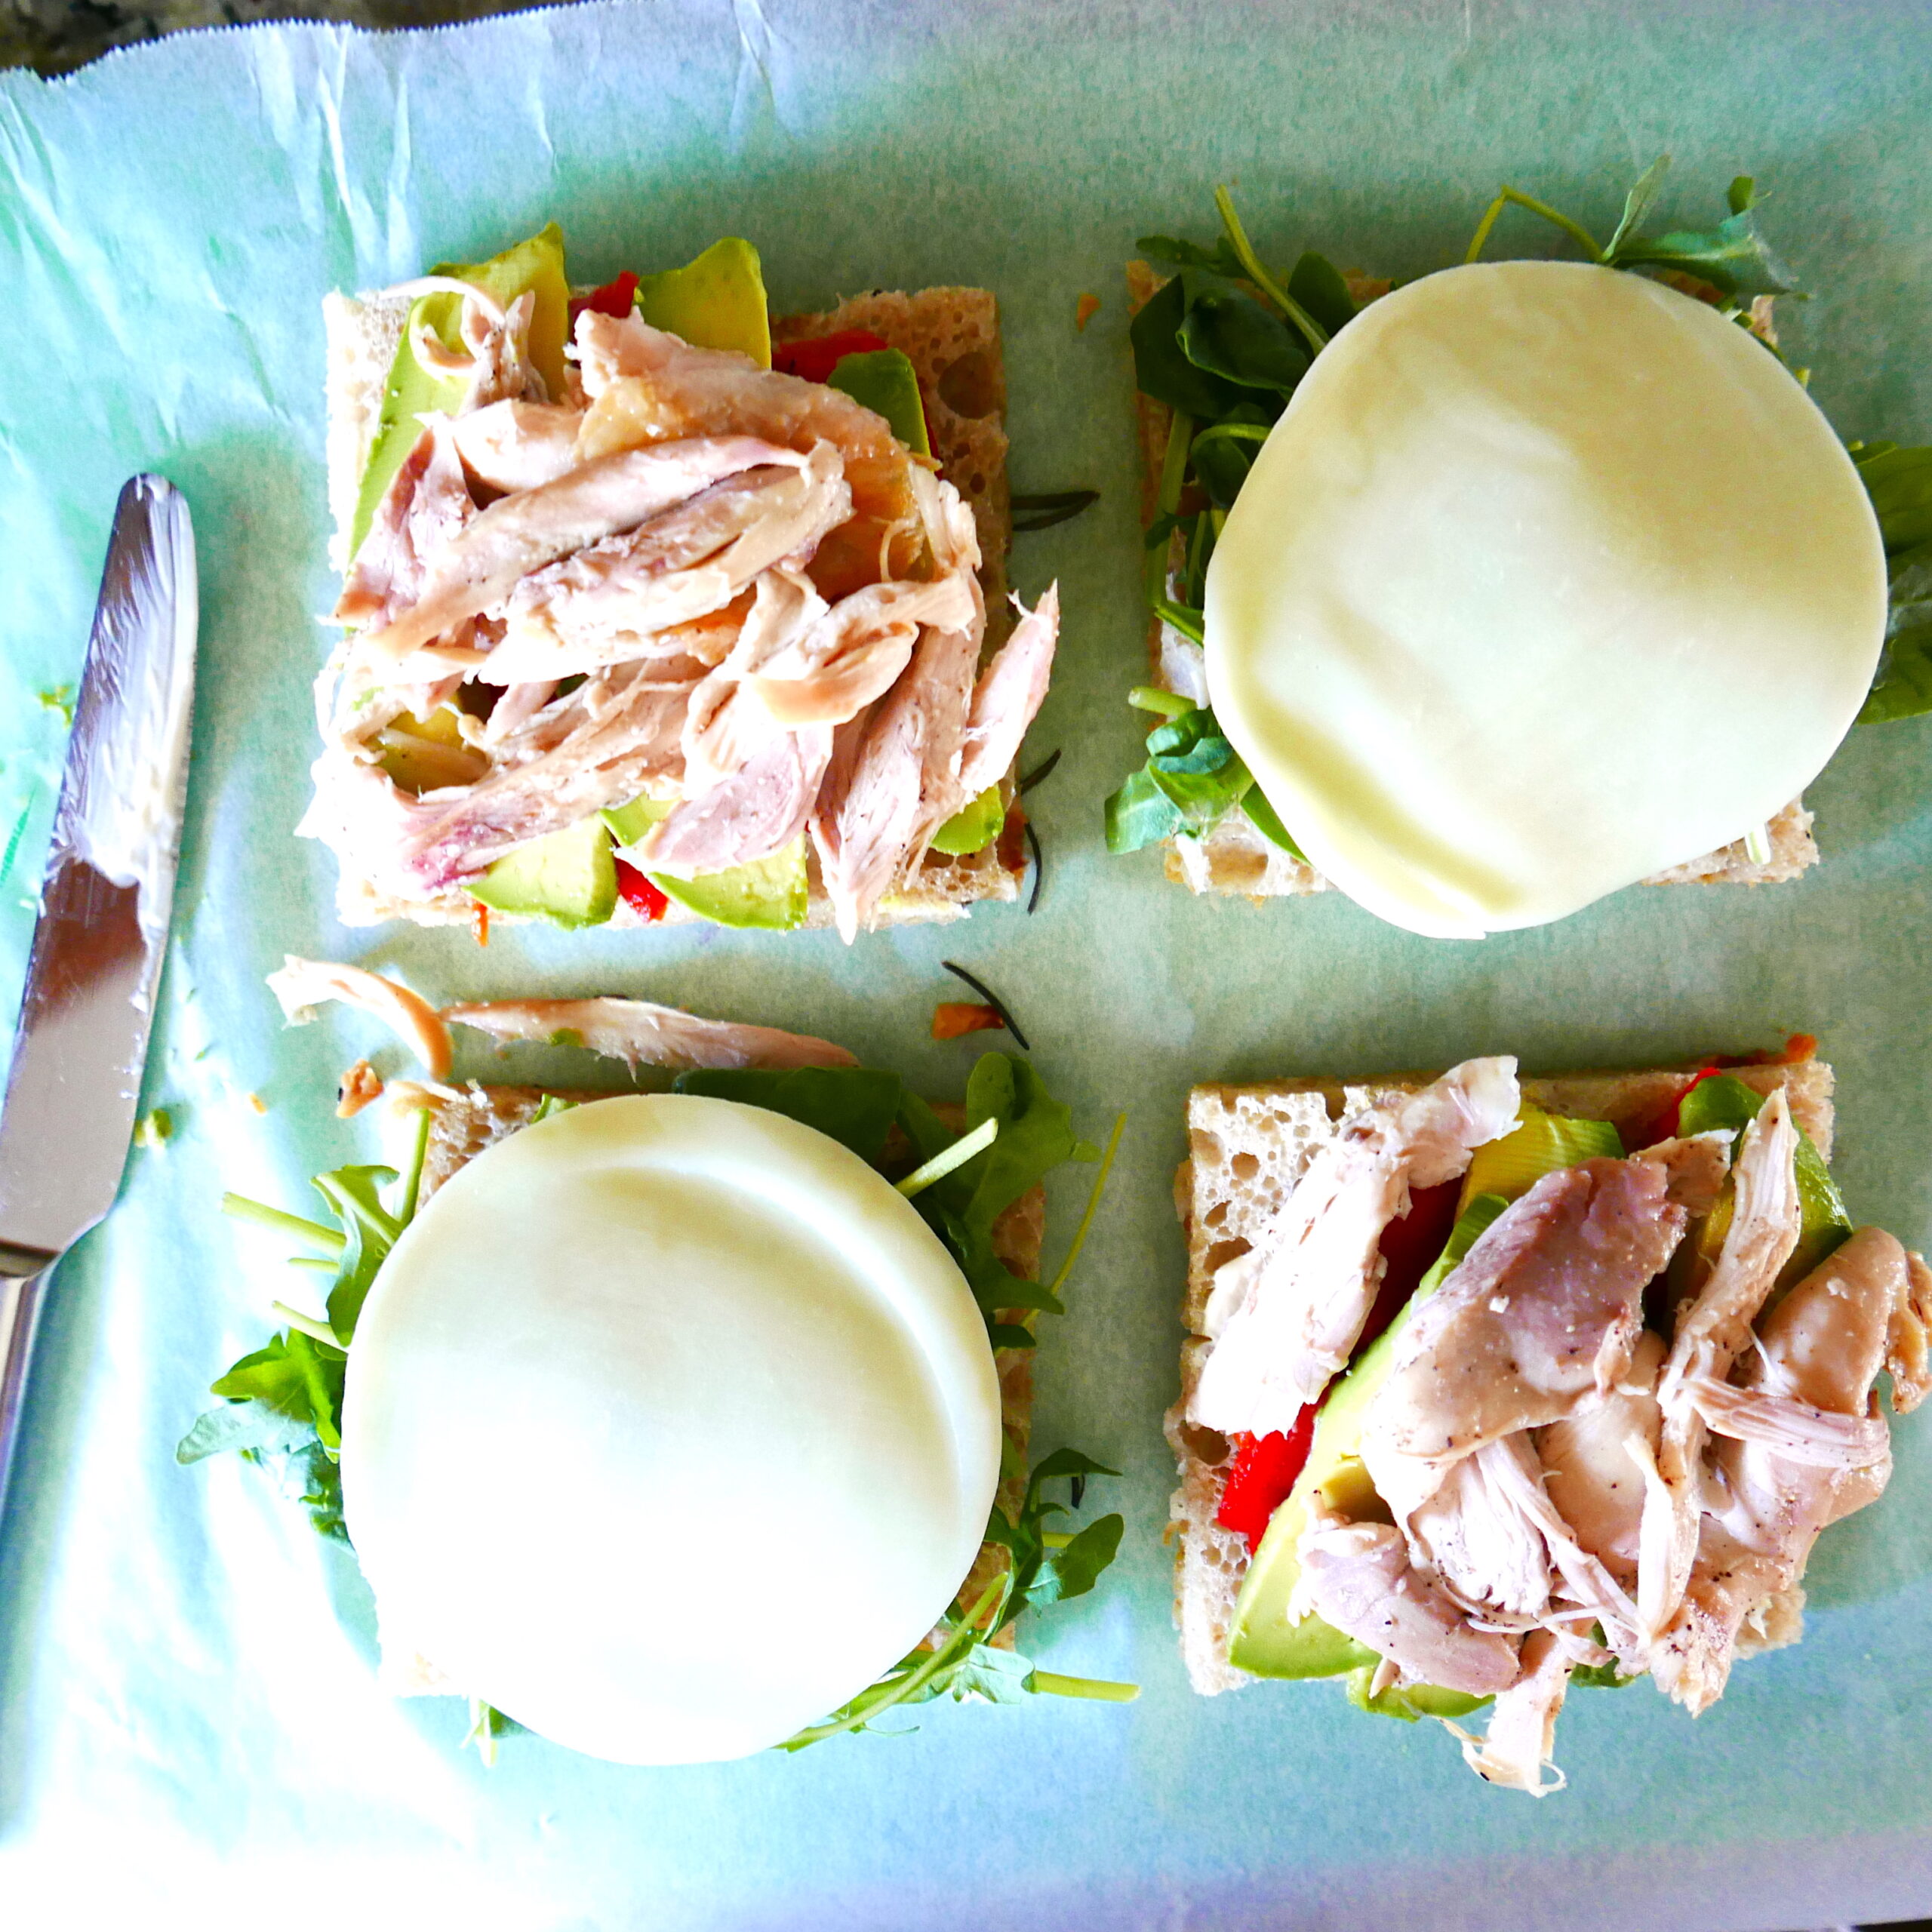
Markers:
<point>1549,578</point>
<point>669,1426</point>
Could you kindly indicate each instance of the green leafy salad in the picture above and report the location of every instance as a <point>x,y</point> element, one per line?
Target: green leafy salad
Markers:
<point>284,1400</point>
<point>1225,341</point>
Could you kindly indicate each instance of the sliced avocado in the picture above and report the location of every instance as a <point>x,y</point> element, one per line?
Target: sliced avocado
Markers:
<point>570,877</point>
<point>973,829</point>
<point>1409,1702</point>
<point>715,302</point>
<point>1539,1144</point>
<point>420,754</point>
<point>1823,1222</point>
<point>535,266</point>
<point>769,893</point>
<point>885,382</point>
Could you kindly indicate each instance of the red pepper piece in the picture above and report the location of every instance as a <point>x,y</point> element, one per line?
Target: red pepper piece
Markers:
<point>816,360</point>
<point>1409,1249</point>
<point>615,298</point>
<point>1266,1467</point>
<point>639,894</point>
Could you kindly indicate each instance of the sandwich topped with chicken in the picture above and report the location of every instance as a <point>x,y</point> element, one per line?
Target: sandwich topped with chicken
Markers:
<point>1496,1385</point>
<point>658,609</point>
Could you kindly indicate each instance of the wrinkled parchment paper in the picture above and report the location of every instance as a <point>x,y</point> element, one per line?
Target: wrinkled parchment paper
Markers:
<point>189,1727</point>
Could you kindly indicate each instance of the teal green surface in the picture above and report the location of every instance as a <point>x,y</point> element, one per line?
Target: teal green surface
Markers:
<point>189,1721</point>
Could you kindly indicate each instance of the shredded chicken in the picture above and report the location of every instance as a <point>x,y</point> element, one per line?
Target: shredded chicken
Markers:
<point>357,1088</point>
<point>426,505</point>
<point>514,445</point>
<point>1284,1320</point>
<point>759,810</point>
<point>300,985</point>
<point>1359,1577</point>
<point>642,1035</point>
<point>1710,1334</point>
<point>1820,1351</point>
<point>1520,1743</point>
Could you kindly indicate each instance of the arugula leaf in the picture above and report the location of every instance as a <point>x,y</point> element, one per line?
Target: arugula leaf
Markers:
<point>1162,368</point>
<point>1193,776</point>
<point>1899,484</point>
<point>372,1231</point>
<point>321,1494</point>
<point>966,1664</point>
<point>296,1377</point>
<point>1221,259</point>
<point>855,1105</point>
<point>1318,285</point>
<point>1228,334</point>
<point>243,1426</point>
<point>1734,257</point>
<point>1636,204</point>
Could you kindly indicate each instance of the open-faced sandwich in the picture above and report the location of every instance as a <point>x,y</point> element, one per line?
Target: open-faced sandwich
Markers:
<point>674,1425</point>
<point>1494,1386</point>
<point>1483,596</point>
<point>657,608</point>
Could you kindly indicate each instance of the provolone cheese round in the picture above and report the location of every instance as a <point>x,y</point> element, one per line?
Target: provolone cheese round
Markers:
<point>1549,578</point>
<point>669,1426</point>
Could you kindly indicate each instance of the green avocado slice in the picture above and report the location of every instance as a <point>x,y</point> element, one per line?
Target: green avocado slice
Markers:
<point>569,877</point>
<point>885,381</point>
<point>973,828</point>
<point>534,266</point>
<point>768,893</point>
<point>716,302</point>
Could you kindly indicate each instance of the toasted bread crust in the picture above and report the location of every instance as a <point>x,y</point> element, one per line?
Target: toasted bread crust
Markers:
<point>465,1122</point>
<point>1247,1146</point>
<point>1235,859</point>
<point>952,337</point>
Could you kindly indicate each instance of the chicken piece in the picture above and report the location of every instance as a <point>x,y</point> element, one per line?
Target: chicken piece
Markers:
<point>1543,1311</point>
<point>358,1088</point>
<point>724,728</point>
<point>300,985</point>
<point>1286,1321</point>
<point>1710,1334</point>
<point>1009,695</point>
<point>759,810</point>
<point>650,387</point>
<point>427,503</point>
<point>1358,1577</point>
<point>480,566</point>
<point>1594,1483</point>
<point>1820,1350</point>
<point>831,670</point>
<point>642,1035</point>
<point>514,445</point>
<point>868,806</point>
<point>611,600</point>
<point>943,680</point>
<point>1518,1746</point>
<point>602,745</point>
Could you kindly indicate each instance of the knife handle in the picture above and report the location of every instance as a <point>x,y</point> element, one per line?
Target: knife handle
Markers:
<point>22,1273</point>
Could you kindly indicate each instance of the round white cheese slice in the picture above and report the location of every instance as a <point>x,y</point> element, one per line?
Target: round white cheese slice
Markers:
<point>669,1426</point>
<point>1549,578</point>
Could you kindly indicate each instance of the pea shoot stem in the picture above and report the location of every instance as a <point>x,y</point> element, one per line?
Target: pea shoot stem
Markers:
<point>1100,1688</point>
<point>240,1207</point>
<point>943,1163</point>
<point>1312,333</point>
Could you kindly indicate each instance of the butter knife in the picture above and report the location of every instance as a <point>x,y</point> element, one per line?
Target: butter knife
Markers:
<point>105,902</point>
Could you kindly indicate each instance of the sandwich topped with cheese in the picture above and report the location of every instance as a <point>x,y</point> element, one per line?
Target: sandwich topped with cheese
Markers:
<point>1498,1386</point>
<point>746,1362</point>
<point>1483,596</point>
<point>657,608</point>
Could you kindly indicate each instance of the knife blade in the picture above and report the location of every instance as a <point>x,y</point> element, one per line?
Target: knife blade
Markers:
<point>106,902</point>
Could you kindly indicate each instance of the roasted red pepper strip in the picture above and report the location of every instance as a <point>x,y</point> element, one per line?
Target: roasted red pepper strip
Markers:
<point>1265,1466</point>
<point>615,298</point>
<point>1664,1128</point>
<point>816,360</point>
<point>953,1018</point>
<point>639,894</point>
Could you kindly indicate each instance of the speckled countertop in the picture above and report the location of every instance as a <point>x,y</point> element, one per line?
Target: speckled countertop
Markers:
<point>57,35</point>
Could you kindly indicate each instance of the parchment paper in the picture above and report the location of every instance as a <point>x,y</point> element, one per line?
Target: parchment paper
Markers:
<point>190,1729</point>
